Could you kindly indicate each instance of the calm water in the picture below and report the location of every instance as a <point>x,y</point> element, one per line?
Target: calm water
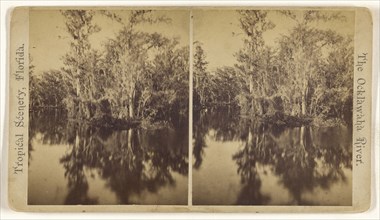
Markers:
<point>238,161</point>
<point>77,164</point>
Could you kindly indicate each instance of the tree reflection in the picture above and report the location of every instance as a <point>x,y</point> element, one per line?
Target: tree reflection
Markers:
<point>51,124</point>
<point>221,120</point>
<point>303,158</point>
<point>201,126</point>
<point>130,161</point>
<point>247,160</point>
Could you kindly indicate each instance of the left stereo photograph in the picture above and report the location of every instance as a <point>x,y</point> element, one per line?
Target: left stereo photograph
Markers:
<point>108,119</point>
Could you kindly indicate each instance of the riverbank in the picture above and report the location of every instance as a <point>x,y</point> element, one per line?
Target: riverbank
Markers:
<point>114,123</point>
<point>288,120</point>
<point>299,121</point>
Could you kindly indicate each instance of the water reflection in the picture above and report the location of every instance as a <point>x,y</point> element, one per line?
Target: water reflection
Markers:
<point>105,166</point>
<point>269,164</point>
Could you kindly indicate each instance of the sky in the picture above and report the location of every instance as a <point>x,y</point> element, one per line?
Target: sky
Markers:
<point>49,40</point>
<point>215,28</point>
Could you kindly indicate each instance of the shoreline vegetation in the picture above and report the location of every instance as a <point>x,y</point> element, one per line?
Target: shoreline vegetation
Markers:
<point>305,78</point>
<point>141,78</point>
<point>110,122</point>
<point>138,78</point>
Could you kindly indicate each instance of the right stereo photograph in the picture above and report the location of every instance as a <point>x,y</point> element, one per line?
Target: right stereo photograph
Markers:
<point>272,107</point>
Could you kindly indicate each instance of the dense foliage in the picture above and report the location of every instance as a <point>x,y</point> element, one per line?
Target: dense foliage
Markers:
<point>136,75</point>
<point>307,74</point>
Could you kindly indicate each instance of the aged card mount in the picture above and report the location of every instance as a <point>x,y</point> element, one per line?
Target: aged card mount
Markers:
<point>121,109</point>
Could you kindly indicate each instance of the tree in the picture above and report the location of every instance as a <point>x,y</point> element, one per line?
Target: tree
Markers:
<point>47,90</point>
<point>199,75</point>
<point>301,55</point>
<point>34,86</point>
<point>127,57</point>
<point>251,61</point>
<point>54,91</point>
<point>79,62</point>
<point>228,83</point>
<point>138,74</point>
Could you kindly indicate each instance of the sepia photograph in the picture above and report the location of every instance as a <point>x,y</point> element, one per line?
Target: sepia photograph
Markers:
<point>237,109</point>
<point>109,94</point>
<point>273,107</point>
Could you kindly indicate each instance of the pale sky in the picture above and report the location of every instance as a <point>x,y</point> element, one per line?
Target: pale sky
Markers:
<point>214,28</point>
<point>49,40</point>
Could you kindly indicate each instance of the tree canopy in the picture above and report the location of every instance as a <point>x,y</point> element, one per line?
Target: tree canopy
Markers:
<point>136,75</point>
<point>306,74</point>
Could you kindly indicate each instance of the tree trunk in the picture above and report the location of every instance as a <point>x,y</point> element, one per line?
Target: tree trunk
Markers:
<point>304,98</point>
<point>251,84</point>
<point>130,108</point>
<point>77,138</point>
<point>249,135</point>
<point>303,105</point>
<point>260,107</point>
<point>78,83</point>
<point>131,113</point>
<point>252,100</point>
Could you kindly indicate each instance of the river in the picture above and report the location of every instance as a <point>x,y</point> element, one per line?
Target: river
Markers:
<point>73,163</point>
<point>238,161</point>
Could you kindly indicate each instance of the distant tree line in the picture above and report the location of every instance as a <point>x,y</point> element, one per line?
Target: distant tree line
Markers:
<point>308,74</point>
<point>136,75</point>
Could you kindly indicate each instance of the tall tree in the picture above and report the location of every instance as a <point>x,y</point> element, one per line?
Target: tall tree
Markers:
<point>127,57</point>
<point>250,60</point>
<point>301,54</point>
<point>200,74</point>
<point>78,62</point>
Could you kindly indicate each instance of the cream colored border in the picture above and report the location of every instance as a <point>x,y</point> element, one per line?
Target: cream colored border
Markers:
<point>361,174</point>
<point>19,35</point>
<point>191,57</point>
